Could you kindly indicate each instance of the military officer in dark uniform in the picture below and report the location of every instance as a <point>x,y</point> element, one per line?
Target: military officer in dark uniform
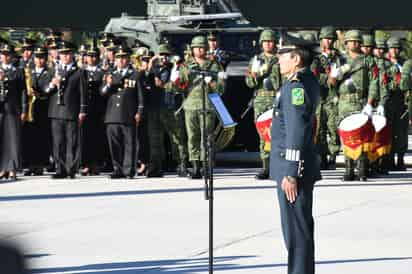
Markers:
<point>215,52</point>
<point>27,47</point>
<point>36,148</point>
<point>123,114</point>
<point>108,62</point>
<point>294,161</point>
<point>67,111</point>
<point>13,111</point>
<point>93,129</point>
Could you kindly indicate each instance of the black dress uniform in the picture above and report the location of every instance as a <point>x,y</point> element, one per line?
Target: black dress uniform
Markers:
<point>94,139</point>
<point>125,100</point>
<point>65,105</point>
<point>37,137</point>
<point>13,102</point>
<point>293,153</point>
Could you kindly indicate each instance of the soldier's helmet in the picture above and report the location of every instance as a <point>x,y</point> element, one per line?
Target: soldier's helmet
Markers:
<point>199,42</point>
<point>328,32</point>
<point>394,42</point>
<point>164,49</point>
<point>352,35</point>
<point>380,43</point>
<point>367,40</point>
<point>267,35</point>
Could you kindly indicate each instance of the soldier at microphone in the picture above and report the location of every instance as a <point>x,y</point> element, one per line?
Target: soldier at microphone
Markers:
<point>67,111</point>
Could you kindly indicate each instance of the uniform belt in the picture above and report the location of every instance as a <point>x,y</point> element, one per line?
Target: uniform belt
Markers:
<point>266,93</point>
<point>349,96</point>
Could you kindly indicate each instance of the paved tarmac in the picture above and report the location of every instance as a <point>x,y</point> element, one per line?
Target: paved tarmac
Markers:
<point>160,226</point>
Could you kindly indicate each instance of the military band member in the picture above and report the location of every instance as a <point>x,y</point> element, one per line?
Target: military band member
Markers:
<point>53,54</point>
<point>93,144</point>
<point>294,161</point>
<point>397,107</point>
<point>81,56</point>
<point>215,52</point>
<point>193,102</point>
<point>406,87</point>
<point>13,111</point>
<point>26,59</point>
<point>67,111</point>
<point>123,114</point>
<point>264,77</point>
<point>327,111</point>
<point>37,144</point>
<point>108,62</point>
<point>358,91</point>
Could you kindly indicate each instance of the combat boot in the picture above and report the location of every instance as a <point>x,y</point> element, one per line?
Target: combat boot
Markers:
<point>332,162</point>
<point>349,174</point>
<point>195,174</point>
<point>264,173</point>
<point>401,163</point>
<point>363,169</point>
<point>182,170</point>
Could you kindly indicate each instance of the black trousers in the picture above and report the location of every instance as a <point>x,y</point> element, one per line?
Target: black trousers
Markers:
<point>10,145</point>
<point>65,145</point>
<point>122,145</point>
<point>298,229</point>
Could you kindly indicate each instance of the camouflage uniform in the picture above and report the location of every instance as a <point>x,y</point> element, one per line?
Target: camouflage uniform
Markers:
<point>327,110</point>
<point>406,86</point>
<point>193,103</point>
<point>263,75</point>
<point>357,85</point>
<point>397,108</point>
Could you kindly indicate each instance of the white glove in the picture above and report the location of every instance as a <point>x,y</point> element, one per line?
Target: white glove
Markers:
<point>175,59</point>
<point>208,79</point>
<point>222,75</point>
<point>334,71</point>
<point>255,65</point>
<point>380,110</point>
<point>348,82</point>
<point>174,75</point>
<point>367,110</point>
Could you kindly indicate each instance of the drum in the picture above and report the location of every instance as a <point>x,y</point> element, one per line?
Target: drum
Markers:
<point>356,132</point>
<point>264,125</point>
<point>381,139</point>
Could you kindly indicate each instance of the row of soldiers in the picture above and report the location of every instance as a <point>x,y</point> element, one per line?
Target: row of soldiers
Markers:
<point>368,75</point>
<point>106,98</point>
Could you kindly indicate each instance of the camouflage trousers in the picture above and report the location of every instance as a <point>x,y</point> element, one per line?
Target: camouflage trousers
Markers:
<point>159,122</point>
<point>327,116</point>
<point>195,132</point>
<point>395,112</point>
<point>262,104</point>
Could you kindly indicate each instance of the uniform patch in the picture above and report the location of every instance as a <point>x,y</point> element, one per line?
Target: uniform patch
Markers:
<point>298,96</point>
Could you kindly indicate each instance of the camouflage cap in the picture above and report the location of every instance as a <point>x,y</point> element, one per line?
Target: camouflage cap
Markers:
<point>367,40</point>
<point>267,35</point>
<point>164,49</point>
<point>394,42</point>
<point>352,35</point>
<point>328,32</point>
<point>380,43</point>
<point>199,42</point>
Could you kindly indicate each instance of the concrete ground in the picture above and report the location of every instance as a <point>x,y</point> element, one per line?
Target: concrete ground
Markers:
<point>156,226</point>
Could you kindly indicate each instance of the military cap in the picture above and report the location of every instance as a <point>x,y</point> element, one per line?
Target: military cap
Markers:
<point>66,46</point>
<point>328,32</point>
<point>83,49</point>
<point>288,43</point>
<point>394,42</point>
<point>92,50</point>
<point>212,36</point>
<point>7,49</point>
<point>367,40</point>
<point>105,38</point>
<point>199,42</point>
<point>27,43</point>
<point>380,43</point>
<point>40,52</point>
<point>54,35</point>
<point>352,35</point>
<point>52,44</point>
<point>122,51</point>
<point>164,49</point>
<point>111,45</point>
<point>267,35</point>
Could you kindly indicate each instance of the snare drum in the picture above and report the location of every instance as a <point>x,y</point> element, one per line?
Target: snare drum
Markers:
<point>356,132</point>
<point>381,139</point>
<point>263,126</point>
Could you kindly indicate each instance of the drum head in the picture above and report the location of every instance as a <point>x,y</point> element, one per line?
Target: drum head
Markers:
<point>265,115</point>
<point>379,122</point>
<point>353,122</point>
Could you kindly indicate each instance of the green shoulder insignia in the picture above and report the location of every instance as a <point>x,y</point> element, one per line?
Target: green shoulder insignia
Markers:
<point>298,96</point>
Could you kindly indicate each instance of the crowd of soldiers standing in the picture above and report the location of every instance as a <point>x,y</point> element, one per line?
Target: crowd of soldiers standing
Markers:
<point>368,75</point>
<point>104,108</point>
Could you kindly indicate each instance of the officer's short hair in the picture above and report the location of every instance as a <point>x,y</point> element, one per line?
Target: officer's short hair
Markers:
<point>305,55</point>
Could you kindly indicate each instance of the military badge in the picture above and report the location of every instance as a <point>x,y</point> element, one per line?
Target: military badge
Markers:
<point>298,96</point>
